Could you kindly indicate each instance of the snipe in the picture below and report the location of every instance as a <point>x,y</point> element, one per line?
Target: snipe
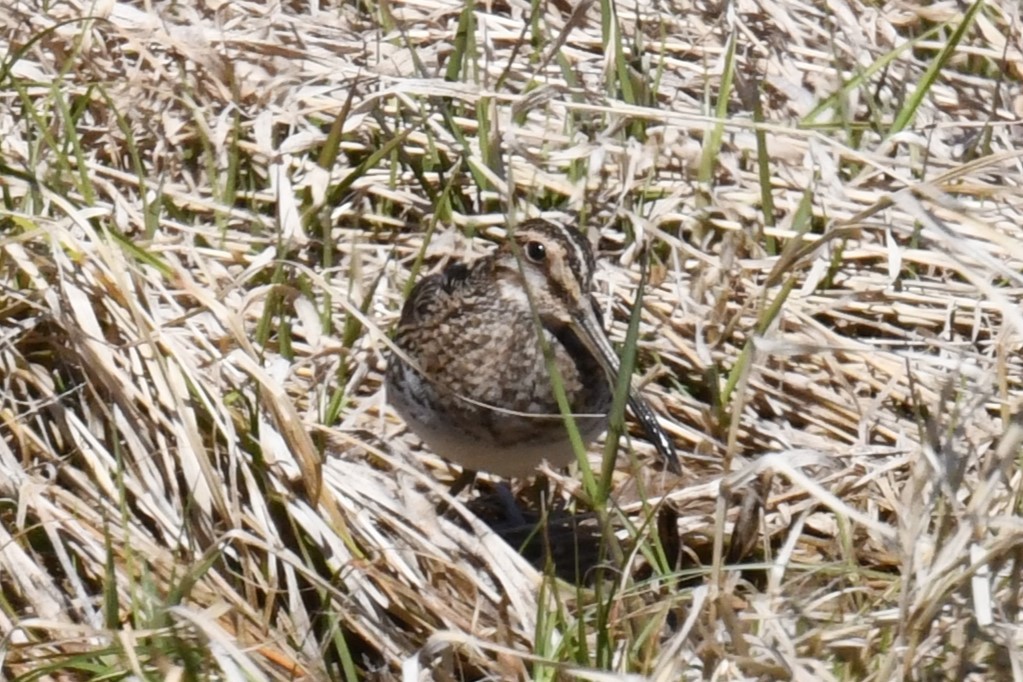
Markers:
<point>472,379</point>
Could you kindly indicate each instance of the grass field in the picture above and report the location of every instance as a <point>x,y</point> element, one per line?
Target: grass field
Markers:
<point>211,213</point>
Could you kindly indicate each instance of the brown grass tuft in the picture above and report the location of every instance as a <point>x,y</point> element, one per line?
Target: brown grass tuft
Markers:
<point>211,212</point>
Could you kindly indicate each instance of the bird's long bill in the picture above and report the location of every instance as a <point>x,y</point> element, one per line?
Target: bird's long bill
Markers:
<point>591,333</point>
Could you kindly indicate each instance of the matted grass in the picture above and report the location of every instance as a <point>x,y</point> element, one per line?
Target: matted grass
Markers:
<point>211,214</point>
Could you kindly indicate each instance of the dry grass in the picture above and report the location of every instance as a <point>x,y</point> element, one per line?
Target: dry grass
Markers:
<point>210,215</point>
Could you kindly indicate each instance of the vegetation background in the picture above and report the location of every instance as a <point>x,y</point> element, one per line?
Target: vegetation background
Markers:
<point>211,212</point>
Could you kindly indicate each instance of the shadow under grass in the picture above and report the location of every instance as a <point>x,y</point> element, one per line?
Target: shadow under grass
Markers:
<point>569,542</point>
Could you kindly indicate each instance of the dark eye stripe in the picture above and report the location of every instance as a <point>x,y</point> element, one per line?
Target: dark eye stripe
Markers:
<point>577,252</point>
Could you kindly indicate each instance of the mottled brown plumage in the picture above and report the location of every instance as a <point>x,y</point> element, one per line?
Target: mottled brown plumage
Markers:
<point>471,378</point>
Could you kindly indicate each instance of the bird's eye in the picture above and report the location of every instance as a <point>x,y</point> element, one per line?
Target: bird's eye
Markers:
<point>536,252</point>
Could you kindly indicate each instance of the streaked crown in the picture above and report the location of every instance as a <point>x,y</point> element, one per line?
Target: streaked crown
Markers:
<point>556,263</point>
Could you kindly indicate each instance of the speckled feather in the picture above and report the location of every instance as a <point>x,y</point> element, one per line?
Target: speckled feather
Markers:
<point>471,379</point>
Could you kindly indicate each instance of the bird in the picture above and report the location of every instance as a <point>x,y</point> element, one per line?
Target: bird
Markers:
<point>470,371</point>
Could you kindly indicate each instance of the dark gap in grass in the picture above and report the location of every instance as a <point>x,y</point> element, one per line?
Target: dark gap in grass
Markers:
<point>274,309</point>
<point>750,92</point>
